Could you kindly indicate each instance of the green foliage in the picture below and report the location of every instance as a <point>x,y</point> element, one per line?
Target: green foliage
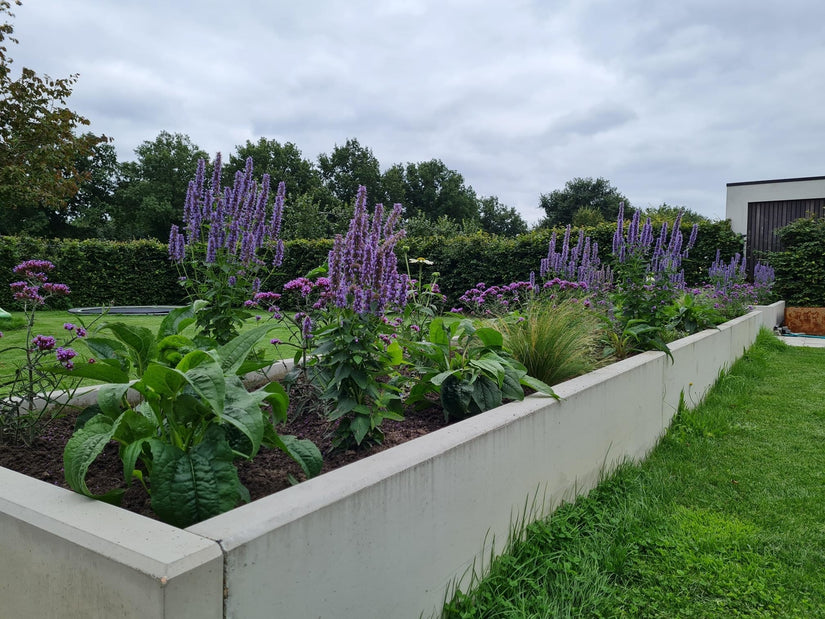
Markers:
<point>665,212</point>
<point>433,189</point>
<point>98,272</point>
<point>690,313</point>
<point>500,219</point>
<point>283,162</point>
<point>587,216</point>
<point>39,147</point>
<point>306,218</point>
<point>194,418</point>
<point>598,194</point>
<point>349,166</point>
<point>151,194</point>
<point>800,266</point>
<point>358,372</point>
<point>139,272</point>
<point>553,342</point>
<point>468,368</point>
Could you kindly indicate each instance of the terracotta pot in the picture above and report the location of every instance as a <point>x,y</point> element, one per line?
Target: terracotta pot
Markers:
<point>809,320</point>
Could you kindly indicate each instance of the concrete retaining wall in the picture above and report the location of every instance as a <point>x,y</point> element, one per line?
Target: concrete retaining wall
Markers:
<point>383,537</point>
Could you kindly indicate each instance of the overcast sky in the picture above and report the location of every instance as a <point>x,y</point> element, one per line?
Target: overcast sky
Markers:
<point>667,100</point>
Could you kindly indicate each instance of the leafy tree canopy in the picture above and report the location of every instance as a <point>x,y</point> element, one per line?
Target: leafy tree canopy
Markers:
<point>348,167</point>
<point>283,162</point>
<point>500,219</point>
<point>665,212</point>
<point>432,189</point>
<point>38,145</point>
<point>151,195</point>
<point>561,205</point>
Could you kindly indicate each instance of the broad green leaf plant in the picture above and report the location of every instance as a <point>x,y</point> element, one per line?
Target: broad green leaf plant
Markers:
<point>194,418</point>
<point>469,369</point>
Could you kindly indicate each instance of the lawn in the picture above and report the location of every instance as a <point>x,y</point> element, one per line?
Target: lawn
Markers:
<point>51,323</point>
<point>724,519</point>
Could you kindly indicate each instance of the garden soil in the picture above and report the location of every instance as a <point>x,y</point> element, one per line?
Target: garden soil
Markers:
<point>269,472</point>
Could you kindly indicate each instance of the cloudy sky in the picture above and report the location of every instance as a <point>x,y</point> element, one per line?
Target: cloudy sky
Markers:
<point>667,100</point>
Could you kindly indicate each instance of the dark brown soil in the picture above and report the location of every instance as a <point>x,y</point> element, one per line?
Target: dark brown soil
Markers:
<point>268,473</point>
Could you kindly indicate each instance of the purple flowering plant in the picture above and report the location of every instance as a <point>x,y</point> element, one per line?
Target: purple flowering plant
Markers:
<point>355,355</point>
<point>218,250</point>
<point>33,393</point>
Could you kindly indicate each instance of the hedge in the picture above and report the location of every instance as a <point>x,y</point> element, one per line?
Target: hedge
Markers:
<point>139,272</point>
<point>800,267</point>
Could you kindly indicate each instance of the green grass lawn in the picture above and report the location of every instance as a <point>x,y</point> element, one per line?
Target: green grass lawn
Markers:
<point>726,518</point>
<point>51,323</point>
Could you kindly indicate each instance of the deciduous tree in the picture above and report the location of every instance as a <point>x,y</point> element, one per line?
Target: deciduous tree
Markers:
<point>561,205</point>
<point>39,147</point>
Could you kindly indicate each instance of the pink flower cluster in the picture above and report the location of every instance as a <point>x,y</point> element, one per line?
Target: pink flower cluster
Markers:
<point>35,287</point>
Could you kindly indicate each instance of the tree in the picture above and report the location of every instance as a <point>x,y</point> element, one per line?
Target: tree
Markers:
<point>151,194</point>
<point>38,145</point>
<point>432,189</point>
<point>283,162</point>
<point>665,212</point>
<point>498,218</point>
<point>306,219</point>
<point>348,167</point>
<point>89,212</point>
<point>561,204</point>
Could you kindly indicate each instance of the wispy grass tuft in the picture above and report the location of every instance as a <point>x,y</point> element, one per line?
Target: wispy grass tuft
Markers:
<point>554,342</point>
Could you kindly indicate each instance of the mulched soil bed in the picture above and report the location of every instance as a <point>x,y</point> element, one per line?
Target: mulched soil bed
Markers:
<point>268,473</point>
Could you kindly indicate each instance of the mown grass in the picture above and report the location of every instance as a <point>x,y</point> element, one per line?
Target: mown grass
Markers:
<point>724,519</point>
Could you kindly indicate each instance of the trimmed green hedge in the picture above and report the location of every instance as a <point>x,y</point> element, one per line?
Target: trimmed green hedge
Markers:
<point>139,272</point>
<point>800,267</point>
<point>98,272</point>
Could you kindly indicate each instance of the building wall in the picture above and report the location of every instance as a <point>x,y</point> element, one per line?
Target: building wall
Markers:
<point>740,194</point>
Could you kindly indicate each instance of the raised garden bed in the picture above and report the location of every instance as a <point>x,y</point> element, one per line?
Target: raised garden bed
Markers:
<point>382,537</point>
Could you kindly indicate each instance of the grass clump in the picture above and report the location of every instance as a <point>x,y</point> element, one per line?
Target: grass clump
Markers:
<point>724,519</point>
<point>553,341</point>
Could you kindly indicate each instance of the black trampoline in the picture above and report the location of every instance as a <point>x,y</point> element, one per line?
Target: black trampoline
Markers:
<point>137,310</point>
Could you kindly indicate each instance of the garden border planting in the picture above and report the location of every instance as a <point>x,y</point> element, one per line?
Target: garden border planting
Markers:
<point>382,537</point>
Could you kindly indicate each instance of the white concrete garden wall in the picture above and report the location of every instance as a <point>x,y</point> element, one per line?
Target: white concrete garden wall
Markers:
<point>383,537</point>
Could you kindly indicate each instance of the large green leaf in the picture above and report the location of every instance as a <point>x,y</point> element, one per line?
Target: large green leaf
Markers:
<point>439,378</point>
<point>304,452</point>
<point>359,426</point>
<point>275,394</point>
<point>234,352</point>
<point>179,318</point>
<point>206,377</point>
<point>395,353</point>
<point>490,337</point>
<point>492,366</point>
<point>511,385</point>
<point>189,487</point>
<point>82,449</point>
<point>242,410</point>
<point>164,380</point>
<point>456,396</point>
<point>96,371</point>
<point>140,341</point>
<point>110,398</point>
<point>107,348</point>
<point>538,385</point>
<point>439,332</point>
<point>486,395</point>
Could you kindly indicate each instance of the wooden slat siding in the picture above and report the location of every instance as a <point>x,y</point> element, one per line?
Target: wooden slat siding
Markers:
<point>764,218</point>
